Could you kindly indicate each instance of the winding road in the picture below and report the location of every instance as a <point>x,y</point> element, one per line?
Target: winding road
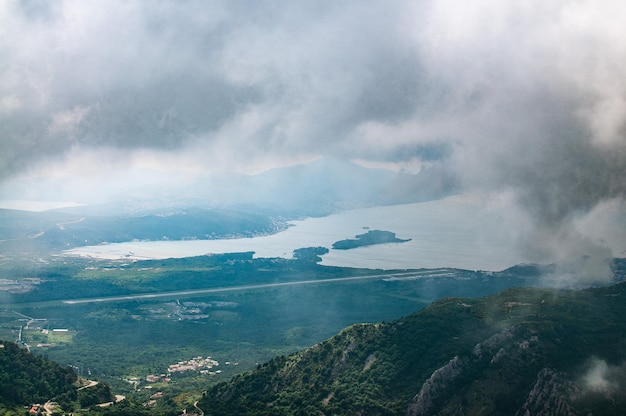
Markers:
<point>195,404</point>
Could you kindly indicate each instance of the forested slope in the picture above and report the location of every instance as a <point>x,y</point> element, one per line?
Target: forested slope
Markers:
<point>26,378</point>
<point>519,352</point>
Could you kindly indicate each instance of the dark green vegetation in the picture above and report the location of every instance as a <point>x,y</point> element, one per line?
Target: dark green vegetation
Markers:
<point>26,378</point>
<point>370,238</point>
<point>113,341</point>
<point>521,351</point>
<point>261,308</point>
<point>89,395</point>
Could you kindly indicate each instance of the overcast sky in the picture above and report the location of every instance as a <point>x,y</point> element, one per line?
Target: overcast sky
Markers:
<point>527,97</point>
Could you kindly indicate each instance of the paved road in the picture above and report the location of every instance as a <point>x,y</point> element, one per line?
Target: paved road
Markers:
<point>92,383</point>
<point>394,276</point>
<point>200,410</point>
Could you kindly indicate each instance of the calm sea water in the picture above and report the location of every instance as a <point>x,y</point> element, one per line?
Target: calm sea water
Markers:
<point>460,231</point>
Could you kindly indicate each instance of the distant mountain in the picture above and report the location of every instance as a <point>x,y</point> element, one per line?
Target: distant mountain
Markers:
<point>224,207</point>
<point>521,352</point>
<point>318,188</point>
<point>321,187</point>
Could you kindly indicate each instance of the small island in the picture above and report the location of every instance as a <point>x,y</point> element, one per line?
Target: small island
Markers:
<point>370,238</point>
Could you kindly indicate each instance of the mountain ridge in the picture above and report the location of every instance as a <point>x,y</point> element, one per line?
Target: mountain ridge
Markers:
<point>518,352</point>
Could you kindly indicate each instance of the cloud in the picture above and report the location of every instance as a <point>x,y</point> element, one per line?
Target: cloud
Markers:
<point>602,378</point>
<point>165,76</point>
<point>159,75</point>
<point>525,97</point>
<point>540,113</point>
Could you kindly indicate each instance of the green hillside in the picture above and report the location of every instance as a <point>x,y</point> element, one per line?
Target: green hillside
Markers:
<point>519,352</point>
<point>26,378</point>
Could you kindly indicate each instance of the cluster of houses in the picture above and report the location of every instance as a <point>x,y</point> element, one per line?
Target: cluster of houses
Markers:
<point>199,364</point>
<point>162,378</point>
<point>203,365</point>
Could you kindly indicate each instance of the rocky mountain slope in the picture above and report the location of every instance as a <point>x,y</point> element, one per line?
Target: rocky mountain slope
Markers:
<point>521,352</point>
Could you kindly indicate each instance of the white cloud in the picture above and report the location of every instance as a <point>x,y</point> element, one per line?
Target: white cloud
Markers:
<point>600,377</point>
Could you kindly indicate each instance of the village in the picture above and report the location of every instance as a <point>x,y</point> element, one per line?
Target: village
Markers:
<point>203,365</point>
<point>198,364</point>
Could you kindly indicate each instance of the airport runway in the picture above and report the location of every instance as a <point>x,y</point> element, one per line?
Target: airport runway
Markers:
<point>391,276</point>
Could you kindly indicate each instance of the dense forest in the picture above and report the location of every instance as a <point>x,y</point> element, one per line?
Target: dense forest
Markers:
<point>26,378</point>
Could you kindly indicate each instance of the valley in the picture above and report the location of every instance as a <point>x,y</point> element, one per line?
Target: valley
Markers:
<point>116,321</point>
